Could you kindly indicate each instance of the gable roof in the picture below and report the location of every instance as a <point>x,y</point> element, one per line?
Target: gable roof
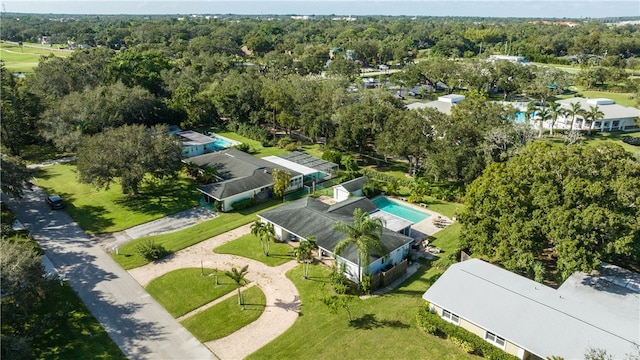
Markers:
<point>355,184</point>
<point>310,217</point>
<point>241,172</point>
<point>542,320</point>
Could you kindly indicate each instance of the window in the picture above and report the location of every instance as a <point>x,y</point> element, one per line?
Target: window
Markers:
<point>494,339</point>
<point>451,317</point>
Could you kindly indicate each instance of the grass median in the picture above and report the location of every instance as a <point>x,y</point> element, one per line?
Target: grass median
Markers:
<point>185,290</point>
<point>226,317</point>
<point>175,241</point>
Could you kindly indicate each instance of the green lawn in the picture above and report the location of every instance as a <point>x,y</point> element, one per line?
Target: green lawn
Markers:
<point>621,98</point>
<point>249,246</point>
<point>383,326</point>
<point>128,259</point>
<point>24,59</point>
<point>227,316</point>
<point>256,147</point>
<point>101,211</point>
<point>76,334</point>
<point>185,290</point>
<point>596,139</point>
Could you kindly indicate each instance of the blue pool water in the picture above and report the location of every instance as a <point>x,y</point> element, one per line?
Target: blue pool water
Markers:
<point>400,210</point>
<point>221,143</point>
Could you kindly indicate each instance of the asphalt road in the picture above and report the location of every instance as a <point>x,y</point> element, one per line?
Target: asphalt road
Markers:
<point>135,321</point>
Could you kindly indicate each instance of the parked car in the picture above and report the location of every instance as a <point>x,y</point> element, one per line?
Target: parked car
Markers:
<point>55,202</point>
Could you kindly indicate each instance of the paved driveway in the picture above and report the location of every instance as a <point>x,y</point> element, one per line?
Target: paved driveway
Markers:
<point>136,322</point>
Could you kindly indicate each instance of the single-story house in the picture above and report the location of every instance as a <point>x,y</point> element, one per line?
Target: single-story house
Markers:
<point>313,169</point>
<point>311,217</point>
<point>194,143</point>
<point>616,117</point>
<point>444,104</point>
<point>349,188</point>
<point>533,321</point>
<point>244,176</point>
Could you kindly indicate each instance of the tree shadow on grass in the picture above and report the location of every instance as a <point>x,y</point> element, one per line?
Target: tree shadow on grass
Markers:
<point>369,322</point>
<point>91,218</point>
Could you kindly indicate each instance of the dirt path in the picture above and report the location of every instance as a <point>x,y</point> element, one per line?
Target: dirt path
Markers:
<point>282,298</point>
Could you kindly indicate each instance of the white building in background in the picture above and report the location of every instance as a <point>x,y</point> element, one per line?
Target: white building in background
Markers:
<point>616,117</point>
<point>515,59</point>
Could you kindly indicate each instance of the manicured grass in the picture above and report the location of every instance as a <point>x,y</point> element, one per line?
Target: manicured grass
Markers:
<point>76,334</point>
<point>128,259</point>
<point>383,326</point>
<point>185,290</point>
<point>447,209</point>
<point>227,316</point>
<point>596,139</point>
<point>100,211</point>
<point>256,147</point>
<point>621,98</point>
<point>250,247</point>
<point>313,150</point>
<point>24,59</point>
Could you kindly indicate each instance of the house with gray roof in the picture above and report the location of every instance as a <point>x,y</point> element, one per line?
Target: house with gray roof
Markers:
<point>243,176</point>
<point>533,321</point>
<point>616,117</point>
<point>353,187</point>
<point>311,217</point>
<point>195,143</point>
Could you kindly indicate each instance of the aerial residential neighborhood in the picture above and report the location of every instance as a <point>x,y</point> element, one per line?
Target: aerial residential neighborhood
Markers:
<point>420,181</point>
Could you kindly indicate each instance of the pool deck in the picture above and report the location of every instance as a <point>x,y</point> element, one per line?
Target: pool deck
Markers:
<point>426,227</point>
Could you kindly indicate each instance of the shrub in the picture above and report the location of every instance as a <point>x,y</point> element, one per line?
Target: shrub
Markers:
<point>635,141</point>
<point>333,156</point>
<point>242,204</point>
<point>283,142</point>
<point>293,146</point>
<point>431,323</point>
<point>243,147</point>
<point>463,345</point>
<point>252,132</point>
<point>151,251</point>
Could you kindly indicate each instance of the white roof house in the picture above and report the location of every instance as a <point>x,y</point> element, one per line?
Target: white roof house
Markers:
<point>526,318</point>
<point>616,117</point>
<point>444,104</point>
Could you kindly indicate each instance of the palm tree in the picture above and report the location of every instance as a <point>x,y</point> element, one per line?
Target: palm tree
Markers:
<point>574,109</point>
<point>265,233</point>
<point>531,111</point>
<point>365,233</point>
<point>543,115</point>
<point>304,253</point>
<point>593,114</point>
<point>238,277</point>
<point>555,111</point>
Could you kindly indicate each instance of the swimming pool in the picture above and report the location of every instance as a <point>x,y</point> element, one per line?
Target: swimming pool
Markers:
<point>521,117</point>
<point>221,143</point>
<point>400,210</point>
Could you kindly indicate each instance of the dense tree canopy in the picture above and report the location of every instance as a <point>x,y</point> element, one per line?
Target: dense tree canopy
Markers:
<point>127,154</point>
<point>578,205</point>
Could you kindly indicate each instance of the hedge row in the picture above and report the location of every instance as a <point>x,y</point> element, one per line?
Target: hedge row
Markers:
<point>433,324</point>
<point>635,141</point>
<point>243,204</point>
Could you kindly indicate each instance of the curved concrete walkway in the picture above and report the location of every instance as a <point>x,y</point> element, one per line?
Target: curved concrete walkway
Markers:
<point>282,298</point>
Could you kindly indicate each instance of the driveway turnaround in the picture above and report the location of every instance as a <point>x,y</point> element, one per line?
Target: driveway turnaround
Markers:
<point>282,298</point>
<point>136,322</point>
